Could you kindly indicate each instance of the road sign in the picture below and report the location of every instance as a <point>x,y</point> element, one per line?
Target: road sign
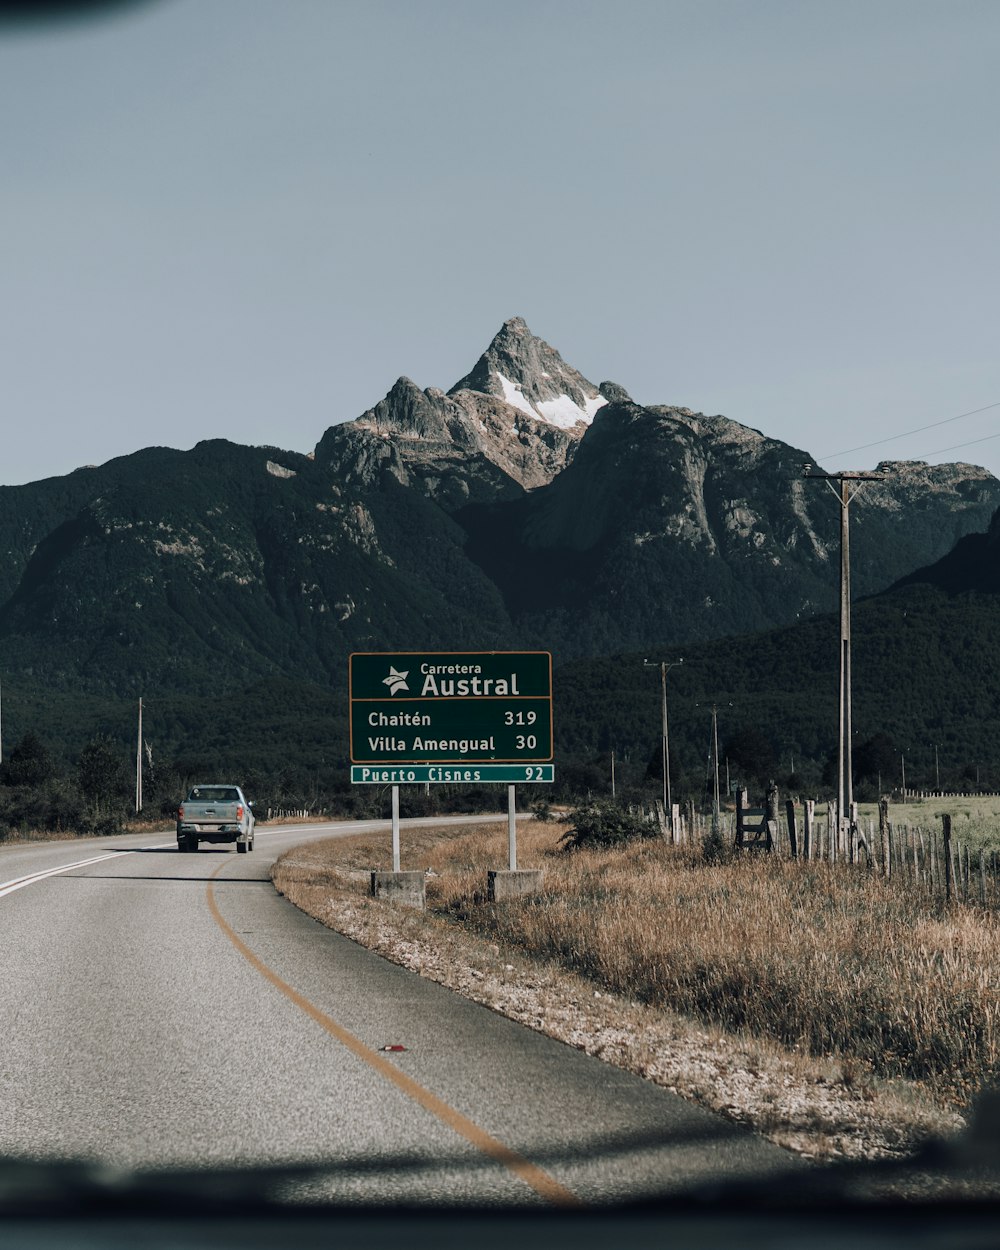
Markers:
<point>427,707</point>
<point>464,774</point>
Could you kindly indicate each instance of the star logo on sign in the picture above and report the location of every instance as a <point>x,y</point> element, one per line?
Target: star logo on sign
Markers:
<point>396,681</point>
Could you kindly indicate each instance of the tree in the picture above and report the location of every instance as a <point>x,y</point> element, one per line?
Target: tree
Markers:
<point>29,763</point>
<point>753,754</point>
<point>875,758</point>
<point>102,776</point>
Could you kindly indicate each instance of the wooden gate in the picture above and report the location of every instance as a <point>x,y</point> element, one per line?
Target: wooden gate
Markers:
<point>754,830</point>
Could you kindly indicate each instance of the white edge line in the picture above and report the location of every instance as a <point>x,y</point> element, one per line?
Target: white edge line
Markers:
<point>19,883</point>
<point>8,887</point>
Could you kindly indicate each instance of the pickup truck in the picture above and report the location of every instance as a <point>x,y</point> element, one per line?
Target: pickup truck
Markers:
<point>215,814</point>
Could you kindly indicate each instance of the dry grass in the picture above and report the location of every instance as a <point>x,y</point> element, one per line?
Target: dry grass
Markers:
<point>828,959</point>
<point>15,837</point>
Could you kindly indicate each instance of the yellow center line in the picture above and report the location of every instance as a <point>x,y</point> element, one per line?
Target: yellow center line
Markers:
<point>533,1176</point>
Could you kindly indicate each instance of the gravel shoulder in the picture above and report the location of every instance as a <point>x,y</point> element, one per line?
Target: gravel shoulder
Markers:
<point>818,1108</point>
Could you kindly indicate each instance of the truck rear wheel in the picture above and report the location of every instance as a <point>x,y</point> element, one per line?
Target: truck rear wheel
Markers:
<point>241,848</point>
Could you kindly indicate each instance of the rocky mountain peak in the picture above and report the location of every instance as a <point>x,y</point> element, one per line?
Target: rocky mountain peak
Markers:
<point>531,376</point>
<point>462,447</point>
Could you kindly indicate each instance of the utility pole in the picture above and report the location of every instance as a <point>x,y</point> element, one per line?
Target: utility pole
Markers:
<point>845,494</point>
<point>714,764</point>
<point>715,760</point>
<point>665,666</point>
<point>138,764</point>
<point>937,770</point>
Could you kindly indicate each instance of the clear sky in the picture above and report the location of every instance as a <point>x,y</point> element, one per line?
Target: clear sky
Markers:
<point>246,218</point>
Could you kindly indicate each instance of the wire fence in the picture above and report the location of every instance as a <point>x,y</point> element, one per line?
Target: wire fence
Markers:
<point>931,860</point>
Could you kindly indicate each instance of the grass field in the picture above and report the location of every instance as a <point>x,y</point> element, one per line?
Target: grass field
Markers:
<point>975,818</point>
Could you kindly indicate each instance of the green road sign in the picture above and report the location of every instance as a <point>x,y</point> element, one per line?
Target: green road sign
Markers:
<point>426,707</point>
<point>464,774</point>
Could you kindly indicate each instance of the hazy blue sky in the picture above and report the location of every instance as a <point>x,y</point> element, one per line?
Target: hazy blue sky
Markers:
<point>247,218</point>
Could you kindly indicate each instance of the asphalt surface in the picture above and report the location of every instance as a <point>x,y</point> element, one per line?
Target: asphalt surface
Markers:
<point>162,1010</point>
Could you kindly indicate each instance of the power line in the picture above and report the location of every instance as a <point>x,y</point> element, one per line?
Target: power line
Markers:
<point>919,430</point>
<point>956,446</point>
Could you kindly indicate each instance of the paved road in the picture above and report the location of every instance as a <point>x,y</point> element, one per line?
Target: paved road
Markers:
<point>164,1010</point>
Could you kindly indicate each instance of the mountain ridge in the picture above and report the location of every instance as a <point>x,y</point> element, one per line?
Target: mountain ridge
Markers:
<point>437,519</point>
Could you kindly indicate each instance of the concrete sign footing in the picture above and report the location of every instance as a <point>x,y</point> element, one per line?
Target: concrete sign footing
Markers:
<point>405,888</point>
<point>503,884</point>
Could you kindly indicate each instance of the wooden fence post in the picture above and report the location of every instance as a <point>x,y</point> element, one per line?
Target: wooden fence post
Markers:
<point>884,836</point>
<point>932,837</point>
<point>792,839</point>
<point>807,831</point>
<point>946,830</point>
<point>660,817</point>
<point>771,815</point>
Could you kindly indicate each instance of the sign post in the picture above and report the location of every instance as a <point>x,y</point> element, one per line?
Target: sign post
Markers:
<point>511,830</point>
<point>395,828</point>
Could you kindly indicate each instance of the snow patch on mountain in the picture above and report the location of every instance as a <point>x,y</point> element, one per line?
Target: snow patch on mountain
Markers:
<point>515,396</point>
<point>565,413</point>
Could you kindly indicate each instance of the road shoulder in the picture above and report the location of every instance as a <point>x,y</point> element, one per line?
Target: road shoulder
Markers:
<point>810,1106</point>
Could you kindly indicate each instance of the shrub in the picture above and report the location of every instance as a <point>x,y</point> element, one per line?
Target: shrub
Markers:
<point>715,848</point>
<point>95,823</point>
<point>606,824</point>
